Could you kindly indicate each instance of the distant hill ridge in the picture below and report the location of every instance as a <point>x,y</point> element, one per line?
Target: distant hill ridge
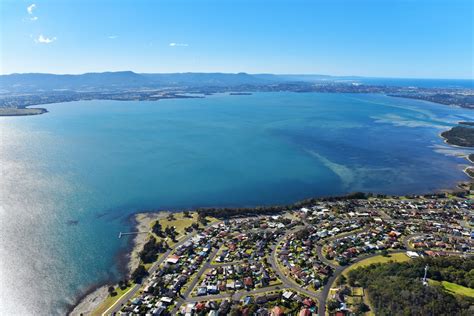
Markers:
<point>30,82</point>
<point>124,79</point>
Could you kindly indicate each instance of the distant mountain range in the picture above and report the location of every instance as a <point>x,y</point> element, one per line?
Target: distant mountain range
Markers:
<point>123,80</point>
<point>31,82</point>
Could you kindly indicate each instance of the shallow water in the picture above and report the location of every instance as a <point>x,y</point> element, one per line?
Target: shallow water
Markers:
<point>71,178</point>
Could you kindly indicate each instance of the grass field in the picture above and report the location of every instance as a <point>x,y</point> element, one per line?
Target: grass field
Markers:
<point>180,222</point>
<point>110,300</point>
<point>454,288</point>
<point>396,257</point>
<point>357,291</point>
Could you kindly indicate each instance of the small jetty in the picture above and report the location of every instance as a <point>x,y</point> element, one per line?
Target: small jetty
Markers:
<point>130,233</point>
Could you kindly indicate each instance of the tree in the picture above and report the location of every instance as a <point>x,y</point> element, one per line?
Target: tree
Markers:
<point>333,305</point>
<point>186,214</point>
<point>139,273</point>
<point>202,218</point>
<point>151,249</point>
<point>341,280</point>
<point>157,229</point>
<point>235,311</point>
<point>361,308</point>
<point>112,291</point>
<point>170,217</point>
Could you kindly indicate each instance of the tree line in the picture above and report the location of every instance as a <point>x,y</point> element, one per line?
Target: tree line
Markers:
<point>397,289</point>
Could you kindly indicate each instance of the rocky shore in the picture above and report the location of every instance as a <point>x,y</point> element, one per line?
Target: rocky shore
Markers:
<point>141,222</point>
<point>90,302</point>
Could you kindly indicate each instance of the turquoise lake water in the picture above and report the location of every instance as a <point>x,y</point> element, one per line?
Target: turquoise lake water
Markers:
<point>70,179</point>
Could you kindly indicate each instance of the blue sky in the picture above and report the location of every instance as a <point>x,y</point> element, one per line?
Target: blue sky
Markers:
<point>391,38</point>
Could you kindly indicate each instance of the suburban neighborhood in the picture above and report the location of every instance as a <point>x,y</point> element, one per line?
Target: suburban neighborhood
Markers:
<point>290,263</point>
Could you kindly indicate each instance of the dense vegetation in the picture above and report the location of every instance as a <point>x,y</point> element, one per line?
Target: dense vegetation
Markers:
<point>170,232</point>
<point>139,273</point>
<point>151,250</point>
<point>396,288</point>
<point>225,213</point>
<point>460,136</point>
<point>273,209</point>
<point>470,171</point>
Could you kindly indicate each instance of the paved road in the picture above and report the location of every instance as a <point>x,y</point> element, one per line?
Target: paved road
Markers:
<point>125,298</point>
<point>195,280</point>
<point>237,295</point>
<point>288,282</point>
<point>337,272</point>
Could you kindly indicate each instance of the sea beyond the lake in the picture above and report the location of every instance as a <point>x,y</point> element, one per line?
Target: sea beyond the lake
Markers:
<point>72,178</point>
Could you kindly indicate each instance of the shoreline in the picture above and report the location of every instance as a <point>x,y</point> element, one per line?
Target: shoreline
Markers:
<point>92,299</point>
<point>40,111</point>
<point>25,111</point>
<point>90,302</point>
<point>142,220</point>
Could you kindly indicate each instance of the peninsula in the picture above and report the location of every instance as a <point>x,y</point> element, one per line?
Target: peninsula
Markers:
<point>461,135</point>
<point>23,90</point>
<point>306,258</point>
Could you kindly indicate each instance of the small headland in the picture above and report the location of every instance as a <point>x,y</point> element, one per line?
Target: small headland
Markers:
<point>21,111</point>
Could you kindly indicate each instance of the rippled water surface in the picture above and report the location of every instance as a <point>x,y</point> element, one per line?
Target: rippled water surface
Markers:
<point>71,178</point>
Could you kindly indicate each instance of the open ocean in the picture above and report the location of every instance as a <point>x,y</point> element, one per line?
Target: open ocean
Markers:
<point>71,178</point>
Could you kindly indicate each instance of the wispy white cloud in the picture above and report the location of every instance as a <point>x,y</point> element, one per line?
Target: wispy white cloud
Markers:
<point>178,45</point>
<point>30,8</point>
<point>112,36</point>
<point>45,40</point>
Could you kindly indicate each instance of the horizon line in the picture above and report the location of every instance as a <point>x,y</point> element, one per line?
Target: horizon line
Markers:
<point>235,73</point>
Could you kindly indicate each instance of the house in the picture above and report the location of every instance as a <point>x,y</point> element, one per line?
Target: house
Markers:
<point>273,297</point>
<point>412,254</point>
<point>201,291</point>
<point>230,285</point>
<point>188,311</point>
<point>166,300</point>
<point>224,307</point>
<point>247,300</point>
<point>158,311</point>
<point>308,302</point>
<point>212,289</point>
<point>248,282</point>
<point>276,311</point>
<point>173,259</point>
<point>287,295</point>
<point>304,312</point>
<point>261,300</point>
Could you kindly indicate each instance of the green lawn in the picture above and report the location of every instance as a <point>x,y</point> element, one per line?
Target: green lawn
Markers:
<point>357,291</point>
<point>181,222</point>
<point>110,300</point>
<point>396,257</point>
<point>454,288</point>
